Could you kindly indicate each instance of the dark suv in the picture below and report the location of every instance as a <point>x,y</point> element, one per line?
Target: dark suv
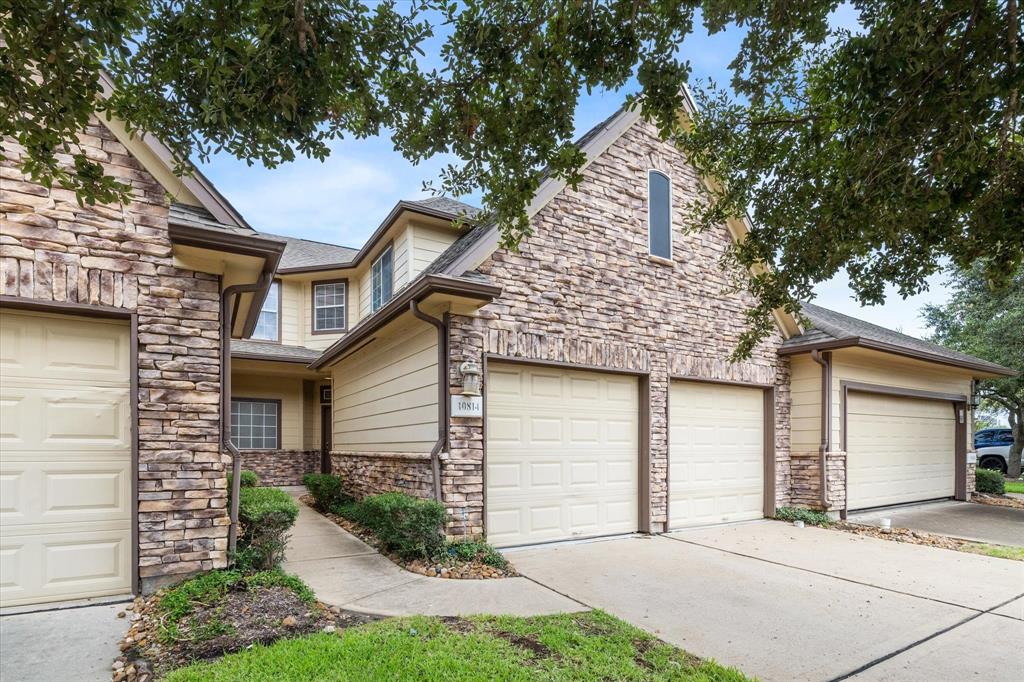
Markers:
<point>987,437</point>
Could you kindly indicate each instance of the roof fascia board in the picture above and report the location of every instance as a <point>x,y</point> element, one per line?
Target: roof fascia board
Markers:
<point>197,185</point>
<point>378,235</point>
<point>891,349</point>
<point>423,287</point>
<point>245,355</point>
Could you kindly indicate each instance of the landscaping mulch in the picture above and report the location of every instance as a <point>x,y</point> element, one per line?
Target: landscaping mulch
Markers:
<point>998,500</point>
<point>912,537</point>
<point>236,621</point>
<point>448,568</point>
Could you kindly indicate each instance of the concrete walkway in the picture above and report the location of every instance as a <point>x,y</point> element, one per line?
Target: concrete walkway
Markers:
<point>977,522</point>
<point>344,571</point>
<point>782,603</point>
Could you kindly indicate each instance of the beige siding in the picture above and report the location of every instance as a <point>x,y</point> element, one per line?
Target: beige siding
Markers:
<point>871,367</point>
<point>428,243</point>
<point>400,270</point>
<point>310,416</point>
<point>285,389</point>
<point>805,392</point>
<point>291,312</point>
<point>385,395</point>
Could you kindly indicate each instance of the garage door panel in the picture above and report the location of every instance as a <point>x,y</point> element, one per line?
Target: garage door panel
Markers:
<point>65,474</point>
<point>716,454</point>
<point>898,450</point>
<point>570,468</point>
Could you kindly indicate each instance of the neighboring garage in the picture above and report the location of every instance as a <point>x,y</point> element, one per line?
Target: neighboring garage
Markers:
<point>563,454</point>
<point>66,472</point>
<point>716,453</point>
<point>899,449</point>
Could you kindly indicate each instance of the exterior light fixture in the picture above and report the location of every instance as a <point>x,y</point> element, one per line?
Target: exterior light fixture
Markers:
<point>975,398</point>
<point>470,372</point>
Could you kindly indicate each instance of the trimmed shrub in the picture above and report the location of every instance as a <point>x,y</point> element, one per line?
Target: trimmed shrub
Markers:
<point>248,479</point>
<point>470,550</point>
<point>264,515</point>
<point>407,525</point>
<point>326,490</point>
<point>989,481</point>
<point>808,516</point>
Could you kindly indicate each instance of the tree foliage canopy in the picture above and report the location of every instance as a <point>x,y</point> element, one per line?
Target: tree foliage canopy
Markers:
<point>882,151</point>
<point>989,324</point>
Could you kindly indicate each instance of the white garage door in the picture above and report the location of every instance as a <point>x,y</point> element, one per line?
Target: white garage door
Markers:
<point>65,470</point>
<point>716,454</point>
<point>899,450</point>
<point>562,454</point>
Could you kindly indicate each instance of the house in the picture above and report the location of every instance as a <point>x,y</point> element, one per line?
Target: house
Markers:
<point>148,347</point>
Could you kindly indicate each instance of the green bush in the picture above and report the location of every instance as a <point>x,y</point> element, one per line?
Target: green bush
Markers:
<point>248,479</point>
<point>326,490</point>
<point>470,550</point>
<point>408,526</point>
<point>989,481</point>
<point>264,515</point>
<point>808,516</point>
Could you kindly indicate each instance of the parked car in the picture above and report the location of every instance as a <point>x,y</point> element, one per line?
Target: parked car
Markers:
<point>994,457</point>
<point>995,436</point>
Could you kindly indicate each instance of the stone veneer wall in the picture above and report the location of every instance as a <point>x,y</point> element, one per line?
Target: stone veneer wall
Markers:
<point>365,474</point>
<point>53,249</point>
<point>583,290</point>
<point>805,470</point>
<point>281,467</point>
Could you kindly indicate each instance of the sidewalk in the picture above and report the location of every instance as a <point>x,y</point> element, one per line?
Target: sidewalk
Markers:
<point>344,571</point>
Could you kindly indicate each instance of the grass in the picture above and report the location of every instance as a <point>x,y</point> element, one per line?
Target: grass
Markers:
<point>998,551</point>
<point>1015,487</point>
<point>179,601</point>
<point>582,646</point>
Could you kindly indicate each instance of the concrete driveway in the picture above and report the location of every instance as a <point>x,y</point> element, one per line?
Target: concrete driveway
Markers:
<point>782,603</point>
<point>978,522</point>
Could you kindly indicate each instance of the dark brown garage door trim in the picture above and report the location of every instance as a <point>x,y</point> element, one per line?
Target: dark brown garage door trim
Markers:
<point>106,312</point>
<point>768,446</point>
<point>958,402</point>
<point>644,436</point>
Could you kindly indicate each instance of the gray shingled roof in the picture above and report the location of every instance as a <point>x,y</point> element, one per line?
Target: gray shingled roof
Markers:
<point>196,216</point>
<point>272,351</point>
<point>828,325</point>
<point>447,205</point>
<point>304,253</point>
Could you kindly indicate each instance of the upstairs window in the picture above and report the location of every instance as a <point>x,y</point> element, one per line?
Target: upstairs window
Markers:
<point>382,275</point>
<point>268,326</point>
<point>659,214</point>
<point>330,306</point>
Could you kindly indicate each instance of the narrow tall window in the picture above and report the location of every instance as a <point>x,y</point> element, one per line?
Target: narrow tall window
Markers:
<point>329,306</point>
<point>659,214</point>
<point>255,423</point>
<point>382,285</point>
<point>268,324</point>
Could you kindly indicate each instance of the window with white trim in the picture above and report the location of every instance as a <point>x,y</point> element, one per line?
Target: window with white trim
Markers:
<point>329,306</point>
<point>268,324</point>
<point>255,424</point>
<point>382,275</point>
<point>659,214</point>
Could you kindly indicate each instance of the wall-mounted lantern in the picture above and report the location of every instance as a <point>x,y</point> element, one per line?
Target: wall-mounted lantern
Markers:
<point>975,400</point>
<point>470,372</point>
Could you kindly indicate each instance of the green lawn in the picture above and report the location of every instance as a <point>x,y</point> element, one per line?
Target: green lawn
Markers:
<point>1015,487</point>
<point>581,646</point>
<point>999,551</point>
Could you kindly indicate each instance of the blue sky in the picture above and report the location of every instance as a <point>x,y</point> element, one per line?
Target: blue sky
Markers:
<point>342,199</point>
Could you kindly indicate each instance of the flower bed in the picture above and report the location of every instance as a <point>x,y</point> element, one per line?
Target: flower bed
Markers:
<point>998,500</point>
<point>465,560</point>
<point>915,537</point>
<point>217,613</point>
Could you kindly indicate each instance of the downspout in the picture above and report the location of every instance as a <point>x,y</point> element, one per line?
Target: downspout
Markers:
<point>443,392</point>
<point>825,360</point>
<point>226,319</point>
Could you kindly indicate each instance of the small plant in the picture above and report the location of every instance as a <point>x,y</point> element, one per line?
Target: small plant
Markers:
<point>407,525</point>
<point>808,516</point>
<point>476,550</point>
<point>326,490</point>
<point>248,479</point>
<point>264,516</point>
<point>989,481</point>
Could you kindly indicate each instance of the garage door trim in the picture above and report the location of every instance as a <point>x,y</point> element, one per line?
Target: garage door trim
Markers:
<point>768,434</point>
<point>644,423</point>
<point>958,403</point>
<point>106,312</point>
